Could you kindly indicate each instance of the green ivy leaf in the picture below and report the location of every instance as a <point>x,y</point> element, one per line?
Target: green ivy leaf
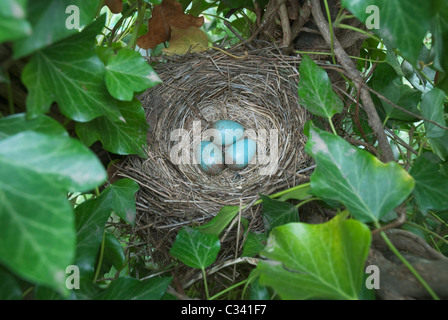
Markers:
<point>37,222</point>
<point>440,146</point>
<point>128,137</point>
<point>194,248</point>
<point>113,252</point>
<point>253,244</point>
<point>91,217</point>
<point>315,90</point>
<point>322,261</point>
<point>366,186</point>
<point>432,109</point>
<point>386,82</point>
<point>71,74</point>
<point>220,221</point>
<point>18,123</point>
<point>13,23</point>
<point>133,289</point>
<point>301,192</point>
<point>127,72</point>
<point>48,20</point>
<point>431,186</point>
<point>403,24</point>
<point>276,213</point>
<point>121,196</point>
<point>439,33</point>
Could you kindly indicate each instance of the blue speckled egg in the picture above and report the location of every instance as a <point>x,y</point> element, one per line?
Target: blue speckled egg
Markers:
<point>210,158</point>
<point>239,154</point>
<point>229,132</point>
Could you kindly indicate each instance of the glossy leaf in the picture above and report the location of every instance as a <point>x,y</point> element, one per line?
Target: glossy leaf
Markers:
<point>49,20</point>
<point>301,192</point>
<point>402,24</point>
<point>37,170</point>
<point>113,251</point>
<point>127,72</point>
<point>432,109</point>
<point>322,261</point>
<point>315,90</point>
<point>13,22</point>
<point>71,74</point>
<point>253,244</point>
<point>121,196</point>
<point>128,137</point>
<point>18,122</point>
<point>431,186</point>
<point>195,249</point>
<point>220,221</point>
<point>366,186</point>
<point>386,81</point>
<point>276,213</point>
<point>91,217</point>
<point>439,33</point>
<point>134,289</point>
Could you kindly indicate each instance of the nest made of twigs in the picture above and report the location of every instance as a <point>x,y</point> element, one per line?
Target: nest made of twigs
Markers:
<point>258,90</point>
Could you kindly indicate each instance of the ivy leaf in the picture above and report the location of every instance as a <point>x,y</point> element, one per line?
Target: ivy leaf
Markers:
<point>253,244</point>
<point>127,72</point>
<point>128,137</point>
<point>48,20</point>
<point>403,24</point>
<point>18,122</point>
<point>91,217</point>
<point>71,74</point>
<point>121,196</point>
<point>322,261</point>
<point>431,186</point>
<point>220,221</point>
<point>276,213</point>
<point>386,82</point>
<point>366,186</point>
<point>432,109</point>
<point>315,90</point>
<point>127,288</point>
<point>194,248</point>
<point>439,33</point>
<point>37,170</point>
<point>13,23</point>
<point>113,252</point>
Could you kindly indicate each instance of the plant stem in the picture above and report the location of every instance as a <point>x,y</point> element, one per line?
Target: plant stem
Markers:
<point>228,289</point>
<point>10,98</point>
<point>414,225</point>
<point>332,127</point>
<point>141,14</point>
<point>406,263</point>
<point>306,201</point>
<point>346,26</point>
<point>330,24</point>
<point>205,284</point>
<point>100,259</point>
<point>279,194</point>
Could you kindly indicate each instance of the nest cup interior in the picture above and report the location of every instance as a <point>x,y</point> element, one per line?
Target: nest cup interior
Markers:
<point>260,93</point>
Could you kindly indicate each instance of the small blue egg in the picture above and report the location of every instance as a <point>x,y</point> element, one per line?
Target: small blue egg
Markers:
<point>210,158</point>
<point>238,155</point>
<point>229,132</point>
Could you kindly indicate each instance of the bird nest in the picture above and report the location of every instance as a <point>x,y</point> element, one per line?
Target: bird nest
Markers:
<point>257,90</point>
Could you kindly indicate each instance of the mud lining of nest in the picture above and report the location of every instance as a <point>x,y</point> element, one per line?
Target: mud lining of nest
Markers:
<point>258,91</point>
